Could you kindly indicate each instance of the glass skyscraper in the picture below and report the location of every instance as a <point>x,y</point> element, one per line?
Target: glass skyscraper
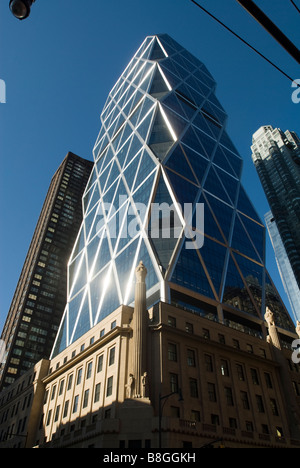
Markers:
<point>286,273</point>
<point>166,189</point>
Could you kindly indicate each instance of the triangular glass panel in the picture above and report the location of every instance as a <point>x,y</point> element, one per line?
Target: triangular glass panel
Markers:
<point>190,139</point>
<point>156,52</point>
<point>80,242</point>
<point>164,226</point>
<point>189,273</point>
<point>109,195</point>
<point>160,139</point>
<point>235,292</point>
<point>131,170</point>
<point>80,279</point>
<point>124,265</point>
<point>84,323</point>
<point>177,123</point>
<point>241,242</point>
<point>114,174</point>
<point>221,161</point>
<point>122,153</point>
<point>103,256</point>
<point>141,196</point>
<point>231,184</point>
<point>213,185</point>
<point>89,220</point>
<point>73,269</point>
<point>87,198</point>
<point>198,163</point>
<point>210,225</point>
<point>223,213</point>
<point>143,128</point>
<point>178,162</point>
<point>158,87</point>
<point>173,80</point>
<point>95,198</point>
<point>145,168</point>
<point>226,141</point>
<point>256,233</point>
<point>213,254</point>
<point>208,143</point>
<point>173,103</point>
<point>92,179</point>
<point>91,249</point>
<point>200,122</point>
<point>245,206</point>
<point>97,287</point>
<point>188,107</point>
<point>111,300</point>
<point>185,191</point>
<point>74,308</point>
<point>275,304</point>
<point>235,161</point>
<point>61,339</point>
<point>103,177</point>
<point>253,275</point>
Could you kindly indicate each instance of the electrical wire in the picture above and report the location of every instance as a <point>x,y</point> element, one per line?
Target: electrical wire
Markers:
<point>297,8</point>
<point>243,40</point>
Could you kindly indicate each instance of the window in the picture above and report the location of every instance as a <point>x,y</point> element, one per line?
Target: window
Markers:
<point>240,372</point>
<point>172,352</point>
<point>85,398</point>
<point>193,388</point>
<point>56,416</point>
<point>66,407</point>
<point>232,423</point>
<point>260,404</point>
<point>254,376</point>
<point>174,382</point>
<point>228,396</point>
<point>236,344</point>
<point>79,376</point>
<point>172,321</point>
<point>189,328</point>
<point>111,357</point>
<point>208,363</point>
<point>175,412</point>
<point>250,348</point>
<point>245,400</point>
<point>224,368</point>
<point>61,387</point>
<point>113,325</point>
<point>206,334</point>
<point>191,360</point>
<point>75,404</point>
<point>100,363</point>
<point>249,426</point>
<point>215,420</point>
<point>102,332</point>
<point>49,418</point>
<point>212,392</point>
<point>195,415</point>
<point>70,381</point>
<point>97,393</point>
<point>89,370</point>
<point>109,387</point>
<point>274,407</point>
<point>221,338</point>
<point>53,392</point>
<point>268,380</point>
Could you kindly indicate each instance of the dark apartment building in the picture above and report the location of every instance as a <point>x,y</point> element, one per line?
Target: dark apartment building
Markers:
<point>40,296</point>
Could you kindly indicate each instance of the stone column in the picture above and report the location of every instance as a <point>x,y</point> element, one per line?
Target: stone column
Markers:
<point>139,330</point>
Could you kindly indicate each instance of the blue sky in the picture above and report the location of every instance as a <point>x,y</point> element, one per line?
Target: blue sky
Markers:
<point>60,64</point>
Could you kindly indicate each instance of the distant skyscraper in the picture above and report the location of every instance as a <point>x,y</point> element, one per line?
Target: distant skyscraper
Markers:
<point>276,156</point>
<point>163,141</point>
<point>40,295</point>
<point>287,275</point>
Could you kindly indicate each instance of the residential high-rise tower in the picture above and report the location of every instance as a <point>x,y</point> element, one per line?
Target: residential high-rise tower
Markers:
<point>276,156</point>
<point>40,296</point>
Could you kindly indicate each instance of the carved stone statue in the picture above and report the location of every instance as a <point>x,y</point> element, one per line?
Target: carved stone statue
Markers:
<point>269,317</point>
<point>144,382</point>
<point>129,386</point>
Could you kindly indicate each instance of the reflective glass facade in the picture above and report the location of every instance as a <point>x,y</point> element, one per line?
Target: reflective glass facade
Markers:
<point>163,143</point>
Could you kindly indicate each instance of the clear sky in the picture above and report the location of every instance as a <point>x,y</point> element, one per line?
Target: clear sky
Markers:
<point>60,64</point>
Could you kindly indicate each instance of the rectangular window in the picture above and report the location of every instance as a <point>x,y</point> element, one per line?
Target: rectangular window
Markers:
<point>56,416</point>
<point>260,404</point>
<point>89,370</point>
<point>111,356</point>
<point>212,392</point>
<point>191,360</point>
<point>109,387</point>
<point>53,392</point>
<point>172,321</point>
<point>274,407</point>
<point>195,415</point>
<point>254,376</point>
<point>75,404</point>
<point>245,400</point>
<point>172,352</point>
<point>224,368</point>
<point>66,407</point>
<point>100,363</point>
<point>208,363</point>
<point>70,381</point>
<point>189,328</point>
<point>61,387</point>
<point>79,376</point>
<point>85,398</point>
<point>194,388</point>
<point>48,418</point>
<point>228,396</point>
<point>97,393</point>
<point>174,382</point>
<point>240,372</point>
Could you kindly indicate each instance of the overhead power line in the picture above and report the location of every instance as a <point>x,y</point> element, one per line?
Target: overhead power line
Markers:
<point>271,28</point>
<point>297,8</point>
<point>243,40</point>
